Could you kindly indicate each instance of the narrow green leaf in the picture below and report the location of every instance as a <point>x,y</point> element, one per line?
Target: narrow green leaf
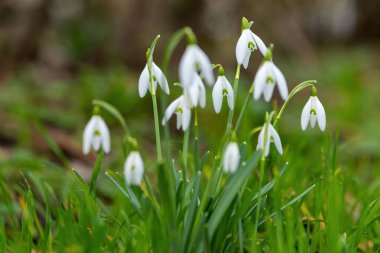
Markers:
<point>127,193</point>
<point>294,200</point>
<point>231,189</point>
<point>95,171</point>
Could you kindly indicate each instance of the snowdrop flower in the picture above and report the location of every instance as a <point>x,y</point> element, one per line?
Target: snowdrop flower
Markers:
<point>195,94</point>
<point>192,61</point>
<point>266,77</point>
<point>231,157</point>
<point>222,88</point>
<point>272,136</point>
<point>96,135</point>
<point>158,77</point>
<point>183,113</point>
<point>313,112</point>
<point>247,43</point>
<point>133,168</point>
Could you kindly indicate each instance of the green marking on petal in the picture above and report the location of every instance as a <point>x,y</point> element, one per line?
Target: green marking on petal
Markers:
<point>178,110</point>
<point>96,132</point>
<point>225,92</point>
<point>270,80</point>
<point>313,112</point>
<point>251,45</point>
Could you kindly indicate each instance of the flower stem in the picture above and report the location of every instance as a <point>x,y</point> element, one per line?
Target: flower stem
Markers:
<point>185,148</point>
<point>196,142</point>
<point>296,89</point>
<point>261,178</point>
<point>157,128</point>
<point>242,111</point>
<point>231,113</point>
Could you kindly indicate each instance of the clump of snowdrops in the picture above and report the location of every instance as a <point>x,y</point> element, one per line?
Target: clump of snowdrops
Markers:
<point>194,209</point>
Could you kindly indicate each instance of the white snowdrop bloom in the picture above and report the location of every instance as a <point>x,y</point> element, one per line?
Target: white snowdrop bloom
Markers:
<point>272,136</point>
<point>158,77</point>
<point>221,89</point>
<point>133,168</point>
<point>195,94</point>
<point>313,112</point>
<point>231,158</point>
<point>192,61</point>
<point>266,78</point>
<point>183,113</point>
<point>247,43</point>
<point>96,135</point>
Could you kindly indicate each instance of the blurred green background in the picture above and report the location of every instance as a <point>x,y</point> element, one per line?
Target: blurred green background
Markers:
<point>58,55</point>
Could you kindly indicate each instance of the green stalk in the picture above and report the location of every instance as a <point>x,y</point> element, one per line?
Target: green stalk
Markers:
<point>231,113</point>
<point>242,111</point>
<point>185,148</point>
<point>196,141</point>
<point>261,178</point>
<point>156,124</point>
<point>149,57</point>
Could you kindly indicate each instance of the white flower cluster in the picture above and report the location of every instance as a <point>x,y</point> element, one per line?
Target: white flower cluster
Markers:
<point>196,70</point>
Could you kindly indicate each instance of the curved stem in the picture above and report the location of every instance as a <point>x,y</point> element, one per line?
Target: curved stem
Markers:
<point>296,89</point>
<point>185,148</point>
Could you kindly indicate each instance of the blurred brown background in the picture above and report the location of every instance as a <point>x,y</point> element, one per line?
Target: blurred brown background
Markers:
<point>60,35</point>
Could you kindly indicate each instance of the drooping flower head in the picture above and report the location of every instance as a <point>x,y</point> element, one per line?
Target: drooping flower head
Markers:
<point>158,78</point>
<point>222,88</point>
<point>133,168</point>
<point>267,77</point>
<point>247,43</point>
<point>268,135</point>
<point>231,157</point>
<point>313,112</point>
<point>183,113</point>
<point>195,94</point>
<point>193,62</point>
<point>96,135</point>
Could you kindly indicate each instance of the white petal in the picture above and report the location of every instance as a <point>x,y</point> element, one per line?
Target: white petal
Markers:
<point>186,117</point>
<point>171,109</point>
<point>193,93</point>
<point>104,135</point>
<point>144,82</point>
<point>268,91</point>
<point>313,120</point>
<point>231,158</point>
<point>242,50</point>
<point>276,138</point>
<point>179,120</point>
<point>161,79</point>
<point>88,134</point>
<point>260,141</point>
<point>96,142</point>
<point>205,64</point>
<point>305,115</point>
<point>260,80</point>
<point>260,44</point>
<point>230,94</point>
<point>186,67</point>
<point>217,95</point>
<point>202,93</point>
<point>321,115</point>
<point>281,82</point>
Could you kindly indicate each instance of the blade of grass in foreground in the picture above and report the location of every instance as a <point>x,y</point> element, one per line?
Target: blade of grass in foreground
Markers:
<point>231,189</point>
<point>95,171</point>
<point>300,196</point>
<point>129,193</point>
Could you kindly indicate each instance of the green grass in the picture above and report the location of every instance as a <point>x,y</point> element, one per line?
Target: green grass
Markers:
<point>320,196</point>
